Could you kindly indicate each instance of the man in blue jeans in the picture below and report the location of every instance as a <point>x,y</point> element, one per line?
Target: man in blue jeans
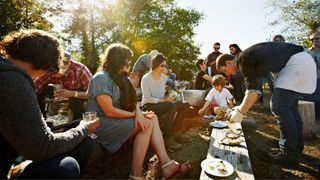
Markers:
<point>295,74</point>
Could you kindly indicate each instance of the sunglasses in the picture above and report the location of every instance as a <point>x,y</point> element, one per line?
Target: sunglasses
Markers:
<point>315,39</point>
<point>216,47</point>
<point>164,65</point>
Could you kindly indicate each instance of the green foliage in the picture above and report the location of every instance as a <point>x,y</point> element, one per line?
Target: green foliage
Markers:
<point>142,25</point>
<point>15,15</point>
<point>160,25</point>
<point>300,17</point>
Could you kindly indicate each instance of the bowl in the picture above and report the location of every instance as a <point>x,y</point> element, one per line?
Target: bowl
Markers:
<point>193,97</point>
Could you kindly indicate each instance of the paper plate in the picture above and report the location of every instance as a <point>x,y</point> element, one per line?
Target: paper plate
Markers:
<point>210,167</point>
<point>218,124</point>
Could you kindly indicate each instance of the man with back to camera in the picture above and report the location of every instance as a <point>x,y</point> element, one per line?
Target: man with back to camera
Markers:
<point>288,63</point>
<point>142,66</point>
<point>23,132</point>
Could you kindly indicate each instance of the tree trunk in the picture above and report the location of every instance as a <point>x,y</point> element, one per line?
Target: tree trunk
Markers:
<point>307,114</point>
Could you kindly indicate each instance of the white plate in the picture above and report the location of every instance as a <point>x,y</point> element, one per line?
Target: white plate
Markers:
<point>207,163</point>
<point>208,116</point>
<point>218,124</point>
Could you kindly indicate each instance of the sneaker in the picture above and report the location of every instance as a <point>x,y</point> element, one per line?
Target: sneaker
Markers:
<point>280,157</point>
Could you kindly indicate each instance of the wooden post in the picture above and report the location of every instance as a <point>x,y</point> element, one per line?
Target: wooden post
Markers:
<point>307,114</point>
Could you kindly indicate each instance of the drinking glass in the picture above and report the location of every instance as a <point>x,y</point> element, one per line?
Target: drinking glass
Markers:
<point>209,71</point>
<point>90,116</point>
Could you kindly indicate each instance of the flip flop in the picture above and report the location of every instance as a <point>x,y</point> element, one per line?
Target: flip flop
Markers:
<point>179,171</point>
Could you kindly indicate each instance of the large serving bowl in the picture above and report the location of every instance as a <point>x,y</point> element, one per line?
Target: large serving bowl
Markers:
<point>193,97</point>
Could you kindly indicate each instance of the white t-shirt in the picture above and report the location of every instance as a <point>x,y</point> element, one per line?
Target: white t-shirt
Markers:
<point>302,69</point>
<point>219,97</point>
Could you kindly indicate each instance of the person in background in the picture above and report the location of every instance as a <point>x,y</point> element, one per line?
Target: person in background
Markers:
<point>235,50</point>
<point>74,78</point>
<point>211,59</point>
<point>218,96</point>
<point>170,112</point>
<point>203,80</point>
<point>142,66</point>
<point>171,79</point>
<point>278,38</point>
<point>28,55</point>
<point>314,51</point>
<point>289,62</point>
<point>113,97</point>
<point>237,80</point>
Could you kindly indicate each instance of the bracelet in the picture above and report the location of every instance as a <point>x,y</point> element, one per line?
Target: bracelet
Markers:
<point>76,94</point>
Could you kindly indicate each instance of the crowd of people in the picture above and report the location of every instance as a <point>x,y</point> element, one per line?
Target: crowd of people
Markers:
<point>32,60</point>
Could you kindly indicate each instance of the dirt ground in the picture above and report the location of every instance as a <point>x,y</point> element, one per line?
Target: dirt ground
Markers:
<point>260,137</point>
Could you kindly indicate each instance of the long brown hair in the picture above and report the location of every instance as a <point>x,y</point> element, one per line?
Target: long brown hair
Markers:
<point>115,58</point>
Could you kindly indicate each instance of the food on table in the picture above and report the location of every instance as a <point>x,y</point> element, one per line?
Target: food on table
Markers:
<point>220,116</point>
<point>221,167</point>
<point>231,142</point>
<point>211,167</point>
<point>233,134</point>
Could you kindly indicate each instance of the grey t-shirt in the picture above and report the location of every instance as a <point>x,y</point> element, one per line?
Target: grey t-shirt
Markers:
<point>152,90</point>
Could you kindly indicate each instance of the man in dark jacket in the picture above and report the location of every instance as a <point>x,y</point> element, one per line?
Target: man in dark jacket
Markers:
<point>295,73</point>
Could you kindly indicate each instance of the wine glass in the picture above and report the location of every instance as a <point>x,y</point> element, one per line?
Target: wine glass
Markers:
<point>90,116</point>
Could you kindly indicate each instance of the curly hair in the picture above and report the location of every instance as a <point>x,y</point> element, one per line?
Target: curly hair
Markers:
<point>37,47</point>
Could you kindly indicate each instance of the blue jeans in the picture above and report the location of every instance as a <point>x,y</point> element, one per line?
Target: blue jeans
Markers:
<point>65,166</point>
<point>284,105</point>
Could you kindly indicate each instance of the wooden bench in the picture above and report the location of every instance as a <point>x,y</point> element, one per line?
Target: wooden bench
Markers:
<point>235,155</point>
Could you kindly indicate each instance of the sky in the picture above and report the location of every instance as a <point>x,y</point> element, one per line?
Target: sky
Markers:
<point>244,22</point>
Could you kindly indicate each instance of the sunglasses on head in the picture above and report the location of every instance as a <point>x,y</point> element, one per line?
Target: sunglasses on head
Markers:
<point>164,65</point>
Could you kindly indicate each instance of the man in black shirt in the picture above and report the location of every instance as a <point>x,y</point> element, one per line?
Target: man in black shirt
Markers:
<point>295,73</point>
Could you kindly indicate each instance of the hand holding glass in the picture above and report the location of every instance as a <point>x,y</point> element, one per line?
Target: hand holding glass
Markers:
<point>90,116</point>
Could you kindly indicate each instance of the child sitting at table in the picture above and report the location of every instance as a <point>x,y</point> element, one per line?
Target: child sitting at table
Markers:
<point>218,95</point>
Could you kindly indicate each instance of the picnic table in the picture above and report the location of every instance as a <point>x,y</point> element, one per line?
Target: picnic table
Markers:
<point>237,156</point>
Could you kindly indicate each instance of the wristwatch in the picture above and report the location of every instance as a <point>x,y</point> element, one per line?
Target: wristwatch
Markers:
<point>76,94</point>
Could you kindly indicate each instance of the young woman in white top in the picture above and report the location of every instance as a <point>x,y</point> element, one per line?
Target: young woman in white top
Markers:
<point>153,86</point>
